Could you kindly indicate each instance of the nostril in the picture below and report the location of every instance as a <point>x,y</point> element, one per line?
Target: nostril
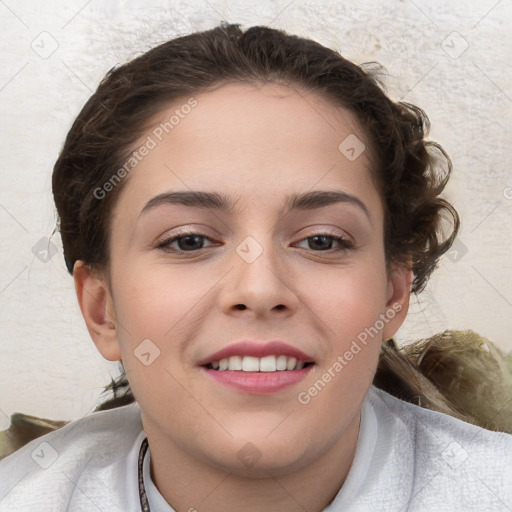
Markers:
<point>240,306</point>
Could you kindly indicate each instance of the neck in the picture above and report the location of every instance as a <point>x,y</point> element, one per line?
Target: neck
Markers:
<point>194,485</point>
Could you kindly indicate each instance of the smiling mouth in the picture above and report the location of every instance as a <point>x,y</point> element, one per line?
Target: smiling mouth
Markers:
<point>271,363</point>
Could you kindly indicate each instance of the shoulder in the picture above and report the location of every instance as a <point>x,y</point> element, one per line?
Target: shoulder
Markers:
<point>436,425</point>
<point>454,461</point>
<point>47,471</point>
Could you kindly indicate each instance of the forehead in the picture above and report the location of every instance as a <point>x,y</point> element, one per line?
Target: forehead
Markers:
<point>262,138</point>
<point>263,115</point>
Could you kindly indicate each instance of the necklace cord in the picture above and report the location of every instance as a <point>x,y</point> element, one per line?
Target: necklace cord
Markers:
<point>144,504</point>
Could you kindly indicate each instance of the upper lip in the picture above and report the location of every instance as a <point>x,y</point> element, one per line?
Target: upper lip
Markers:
<point>255,349</point>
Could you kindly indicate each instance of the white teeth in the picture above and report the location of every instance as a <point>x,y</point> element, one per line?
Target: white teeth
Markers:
<point>290,364</point>
<point>235,363</point>
<point>250,364</point>
<point>256,364</point>
<point>268,364</point>
<point>281,363</point>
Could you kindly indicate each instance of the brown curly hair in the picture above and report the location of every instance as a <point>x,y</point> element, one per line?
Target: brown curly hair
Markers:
<point>409,172</point>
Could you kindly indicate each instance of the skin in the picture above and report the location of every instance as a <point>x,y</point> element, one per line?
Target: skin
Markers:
<point>257,144</point>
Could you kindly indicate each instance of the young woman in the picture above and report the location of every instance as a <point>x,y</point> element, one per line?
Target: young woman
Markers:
<point>245,214</point>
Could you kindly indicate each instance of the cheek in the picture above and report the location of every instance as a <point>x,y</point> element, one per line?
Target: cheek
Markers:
<point>157,303</point>
<point>350,305</point>
<point>155,308</point>
<point>161,311</point>
<point>351,299</point>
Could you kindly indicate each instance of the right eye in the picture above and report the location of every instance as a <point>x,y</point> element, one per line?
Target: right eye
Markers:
<point>187,242</point>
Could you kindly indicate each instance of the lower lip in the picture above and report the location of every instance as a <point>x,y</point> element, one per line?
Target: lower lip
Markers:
<point>258,383</point>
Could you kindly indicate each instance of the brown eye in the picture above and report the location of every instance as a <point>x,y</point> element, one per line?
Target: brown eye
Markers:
<point>324,242</point>
<point>186,242</point>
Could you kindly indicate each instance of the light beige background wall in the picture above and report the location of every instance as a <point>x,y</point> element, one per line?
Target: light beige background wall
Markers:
<point>451,58</point>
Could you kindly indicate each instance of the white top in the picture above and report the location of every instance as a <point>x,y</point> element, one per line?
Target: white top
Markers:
<point>407,459</point>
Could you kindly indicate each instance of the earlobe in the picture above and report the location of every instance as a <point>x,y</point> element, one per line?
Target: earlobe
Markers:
<point>97,309</point>
<point>397,305</point>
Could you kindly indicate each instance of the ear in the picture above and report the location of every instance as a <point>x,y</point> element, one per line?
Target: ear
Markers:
<point>398,294</point>
<point>97,309</point>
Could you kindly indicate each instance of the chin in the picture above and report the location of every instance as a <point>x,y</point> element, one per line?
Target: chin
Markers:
<point>260,456</point>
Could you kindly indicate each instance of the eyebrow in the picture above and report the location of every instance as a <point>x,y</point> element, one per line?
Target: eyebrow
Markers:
<point>214,201</point>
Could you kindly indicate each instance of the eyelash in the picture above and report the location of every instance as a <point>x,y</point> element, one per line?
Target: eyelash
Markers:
<point>164,245</point>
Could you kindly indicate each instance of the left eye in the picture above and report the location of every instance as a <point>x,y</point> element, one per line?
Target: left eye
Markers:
<point>187,242</point>
<point>324,242</point>
<point>191,242</point>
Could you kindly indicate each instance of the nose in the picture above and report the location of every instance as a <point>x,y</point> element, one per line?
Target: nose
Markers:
<point>261,285</point>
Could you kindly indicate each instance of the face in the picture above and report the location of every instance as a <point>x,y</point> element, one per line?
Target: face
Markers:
<point>289,249</point>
